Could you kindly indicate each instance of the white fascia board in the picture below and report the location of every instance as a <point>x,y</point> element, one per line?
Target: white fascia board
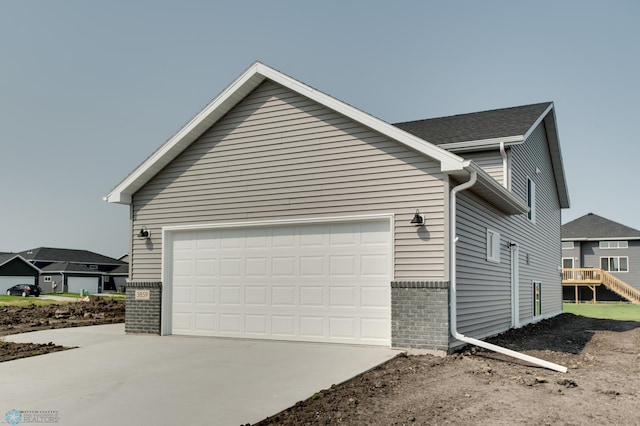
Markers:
<point>538,121</point>
<point>233,94</point>
<point>481,144</point>
<point>603,239</point>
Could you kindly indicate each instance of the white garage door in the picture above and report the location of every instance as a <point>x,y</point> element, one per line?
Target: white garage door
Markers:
<point>321,283</point>
<point>75,284</point>
<point>7,282</point>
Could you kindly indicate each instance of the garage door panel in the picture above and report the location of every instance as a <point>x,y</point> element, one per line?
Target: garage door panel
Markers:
<point>374,297</point>
<point>283,325</point>
<point>312,266</point>
<point>205,294</point>
<point>343,296</point>
<point>230,295</point>
<point>342,327</point>
<point>312,326</point>
<point>312,296</point>
<point>327,283</point>
<point>206,322</point>
<point>231,267</point>
<point>282,296</point>
<point>256,295</point>
<point>231,323</point>
<point>374,266</point>
<point>376,329</point>
<point>75,284</point>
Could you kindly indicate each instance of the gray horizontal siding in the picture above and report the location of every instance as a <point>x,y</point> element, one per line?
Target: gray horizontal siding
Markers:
<point>490,162</point>
<point>278,155</point>
<point>484,288</point>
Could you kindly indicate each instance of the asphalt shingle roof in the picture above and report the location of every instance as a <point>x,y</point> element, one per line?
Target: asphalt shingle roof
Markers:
<point>515,121</point>
<point>592,226</point>
<point>48,254</point>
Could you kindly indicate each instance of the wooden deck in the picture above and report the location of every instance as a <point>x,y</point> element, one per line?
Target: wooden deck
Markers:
<point>593,277</point>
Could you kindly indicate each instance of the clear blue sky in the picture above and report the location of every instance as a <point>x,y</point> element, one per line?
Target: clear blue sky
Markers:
<point>88,89</point>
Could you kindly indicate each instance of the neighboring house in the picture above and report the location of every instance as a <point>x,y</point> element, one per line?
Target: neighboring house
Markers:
<point>279,212</point>
<point>69,270</point>
<point>14,269</point>
<point>597,253</point>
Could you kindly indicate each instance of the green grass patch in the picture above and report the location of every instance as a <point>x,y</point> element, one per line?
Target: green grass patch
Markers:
<point>25,301</point>
<point>614,311</point>
<point>76,295</point>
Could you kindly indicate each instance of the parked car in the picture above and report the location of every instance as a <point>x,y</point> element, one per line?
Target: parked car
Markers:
<point>24,290</point>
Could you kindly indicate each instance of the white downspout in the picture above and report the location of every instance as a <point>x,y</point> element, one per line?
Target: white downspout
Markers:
<point>505,166</point>
<point>452,277</point>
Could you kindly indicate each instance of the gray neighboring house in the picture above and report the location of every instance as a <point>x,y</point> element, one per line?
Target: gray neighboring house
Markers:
<point>591,244</point>
<point>70,270</point>
<point>14,269</point>
<point>279,212</point>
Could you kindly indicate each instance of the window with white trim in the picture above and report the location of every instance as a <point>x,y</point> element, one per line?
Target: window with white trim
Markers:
<point>614,244</point>
<point>531,199</point>
<point>493,246</point>
<point>567,245</point>
<point>537,298</point>
<point>615,263</point>
<point>46,279</point>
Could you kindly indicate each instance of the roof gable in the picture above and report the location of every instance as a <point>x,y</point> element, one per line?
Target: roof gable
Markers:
<point>6,258</point>
<point>498,124</point>
<point>493,129</point>
<point>233,94</point>
<point>594,227</point>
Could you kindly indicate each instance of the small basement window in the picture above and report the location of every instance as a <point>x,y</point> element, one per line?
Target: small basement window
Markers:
<point>493,246</point>
<point>537,298</point>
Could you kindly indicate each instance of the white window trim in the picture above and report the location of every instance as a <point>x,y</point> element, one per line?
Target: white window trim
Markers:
<point>533,310</point>
<point>531,199</point>
<point>573,245</point>
<point>46,278</point>
<point>493,246</point>
<point>606,245</point>
<point>618,257</point>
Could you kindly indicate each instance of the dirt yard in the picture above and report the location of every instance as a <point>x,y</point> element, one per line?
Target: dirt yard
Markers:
<point>14,319</point>
<point>475,387</point>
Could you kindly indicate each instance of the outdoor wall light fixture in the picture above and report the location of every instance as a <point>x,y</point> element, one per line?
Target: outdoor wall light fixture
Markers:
<point>418,219</point>
<point>144,233</point>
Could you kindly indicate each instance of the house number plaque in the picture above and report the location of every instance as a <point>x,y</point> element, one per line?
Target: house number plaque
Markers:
<point>143,295</point>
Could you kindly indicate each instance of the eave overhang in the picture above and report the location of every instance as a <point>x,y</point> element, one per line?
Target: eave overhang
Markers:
<point>490,190</point>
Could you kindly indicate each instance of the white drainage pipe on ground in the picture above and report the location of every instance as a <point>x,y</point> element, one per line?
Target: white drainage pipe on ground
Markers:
<point>452,278</point>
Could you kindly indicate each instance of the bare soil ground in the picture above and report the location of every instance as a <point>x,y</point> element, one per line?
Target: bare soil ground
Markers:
<point>15,319</point>
<point>475,386</point>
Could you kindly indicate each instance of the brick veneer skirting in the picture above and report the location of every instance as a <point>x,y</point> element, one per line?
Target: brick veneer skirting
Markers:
<point>420,315</point>
<point>143,316</point>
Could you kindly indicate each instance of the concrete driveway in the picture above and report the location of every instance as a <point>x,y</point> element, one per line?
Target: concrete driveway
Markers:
<point>118,379</point>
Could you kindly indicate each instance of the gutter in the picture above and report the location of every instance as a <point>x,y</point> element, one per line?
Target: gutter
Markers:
<point>453,297</point>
